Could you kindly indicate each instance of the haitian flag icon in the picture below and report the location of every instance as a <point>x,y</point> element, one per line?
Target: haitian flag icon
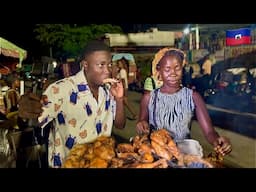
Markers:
<point>238,37</point>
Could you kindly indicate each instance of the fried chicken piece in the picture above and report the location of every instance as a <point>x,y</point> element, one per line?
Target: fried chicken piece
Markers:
<point>146,158</point>
<point>188,159</point>
<point>161,163</point>
<point>98,163</point>
<point>145,151</point>
<point>159,137</point>
<point>145,148</point>
<point>125,148</point>
<point>161,151</point>
<point>104,152</point>
<point>215,159</point>
<point>103,140</point>
<point>163,138</point>
<point>116,163</point>
<point>138,140</point>
<point>75,155</point>
<point>128,156</point>
<point>103,147</point>
<point>71,163</point>
<point>88,156</point>
<point>85,163</point>
<point>89,153</point>
<point>78,149</point>
<point>82,163</point>
<point>172,147</point>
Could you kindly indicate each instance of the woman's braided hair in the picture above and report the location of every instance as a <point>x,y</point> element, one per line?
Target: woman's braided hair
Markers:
<point>163,52</point>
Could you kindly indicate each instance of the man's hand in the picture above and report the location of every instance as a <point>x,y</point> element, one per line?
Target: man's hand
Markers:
<point>117,89</point>
<point>30,106</point>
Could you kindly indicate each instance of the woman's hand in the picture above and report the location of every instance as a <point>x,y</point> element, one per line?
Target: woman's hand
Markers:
<point>142,127</point>
<point>222,146</point>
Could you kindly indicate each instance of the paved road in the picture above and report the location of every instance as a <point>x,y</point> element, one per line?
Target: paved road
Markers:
<point>242,123</point>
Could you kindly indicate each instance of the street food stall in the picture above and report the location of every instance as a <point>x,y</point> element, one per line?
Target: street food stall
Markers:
<point>11,58</point>
<point>9,49</point>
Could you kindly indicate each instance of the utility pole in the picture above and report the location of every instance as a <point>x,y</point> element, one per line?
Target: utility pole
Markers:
<point>197,37</point>
<point>190,41</point>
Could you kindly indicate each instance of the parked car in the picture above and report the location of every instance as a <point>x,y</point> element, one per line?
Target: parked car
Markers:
<point>234,89</point>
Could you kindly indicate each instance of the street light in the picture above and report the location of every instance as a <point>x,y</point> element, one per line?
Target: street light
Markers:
<point>187,31</point>
<point>197,37</point>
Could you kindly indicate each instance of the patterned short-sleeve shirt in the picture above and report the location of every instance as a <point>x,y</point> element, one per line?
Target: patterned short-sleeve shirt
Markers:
<point>78,117</point>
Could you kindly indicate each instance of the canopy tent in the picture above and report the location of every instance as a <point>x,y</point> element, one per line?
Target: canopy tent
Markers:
<point>11,50</point>
<point>127,56</point>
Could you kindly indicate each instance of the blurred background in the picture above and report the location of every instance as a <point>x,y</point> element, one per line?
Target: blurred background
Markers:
<point>221,67</point>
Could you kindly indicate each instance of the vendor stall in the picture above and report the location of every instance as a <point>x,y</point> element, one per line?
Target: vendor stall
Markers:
<point>8,49</point>
<point>11,50</point>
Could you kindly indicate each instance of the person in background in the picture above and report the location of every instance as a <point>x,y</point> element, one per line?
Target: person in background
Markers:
<point>172,106</point>
<point>204,82</point>
<point>81,107</point>
<point>187,75</point>
<point>207,66</point>
<point>12,94</point>
<point>154,81</point>
<point>123,76</point>
<point>138,78</point>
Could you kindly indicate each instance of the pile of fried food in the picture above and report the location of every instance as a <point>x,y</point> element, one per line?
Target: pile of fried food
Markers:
<point>155,150</point>
<point>215,159</point>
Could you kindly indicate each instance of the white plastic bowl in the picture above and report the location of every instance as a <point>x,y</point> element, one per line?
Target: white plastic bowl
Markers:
<point>190,146</point>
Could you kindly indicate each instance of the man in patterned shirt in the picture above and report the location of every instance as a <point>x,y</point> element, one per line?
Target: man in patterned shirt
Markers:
<point>81,107</point>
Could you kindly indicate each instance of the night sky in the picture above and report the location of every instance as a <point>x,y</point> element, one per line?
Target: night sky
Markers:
<point>22,35</point>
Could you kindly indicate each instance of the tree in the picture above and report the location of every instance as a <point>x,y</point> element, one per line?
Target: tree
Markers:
<point>70,39</point>
<point>50,34</point>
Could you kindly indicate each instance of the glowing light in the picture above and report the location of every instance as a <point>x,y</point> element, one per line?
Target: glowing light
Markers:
<point>54,63</point>
<point>186,31</point>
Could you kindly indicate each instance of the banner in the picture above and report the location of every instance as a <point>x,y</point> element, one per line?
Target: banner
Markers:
<point>238,37</point>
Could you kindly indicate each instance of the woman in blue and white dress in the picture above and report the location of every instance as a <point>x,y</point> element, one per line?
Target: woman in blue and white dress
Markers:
<point>172,106</point>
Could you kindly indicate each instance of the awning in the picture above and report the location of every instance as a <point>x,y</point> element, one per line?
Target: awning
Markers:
<point>127,56</point>
<point>11,50</point>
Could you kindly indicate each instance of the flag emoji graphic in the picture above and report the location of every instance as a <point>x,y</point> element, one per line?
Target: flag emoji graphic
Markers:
<point>238,37</point>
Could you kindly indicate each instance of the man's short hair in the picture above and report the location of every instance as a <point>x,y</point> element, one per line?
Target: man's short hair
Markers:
<point>92,46</point>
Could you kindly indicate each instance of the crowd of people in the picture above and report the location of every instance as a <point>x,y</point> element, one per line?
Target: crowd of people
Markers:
<point>81,107</point>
